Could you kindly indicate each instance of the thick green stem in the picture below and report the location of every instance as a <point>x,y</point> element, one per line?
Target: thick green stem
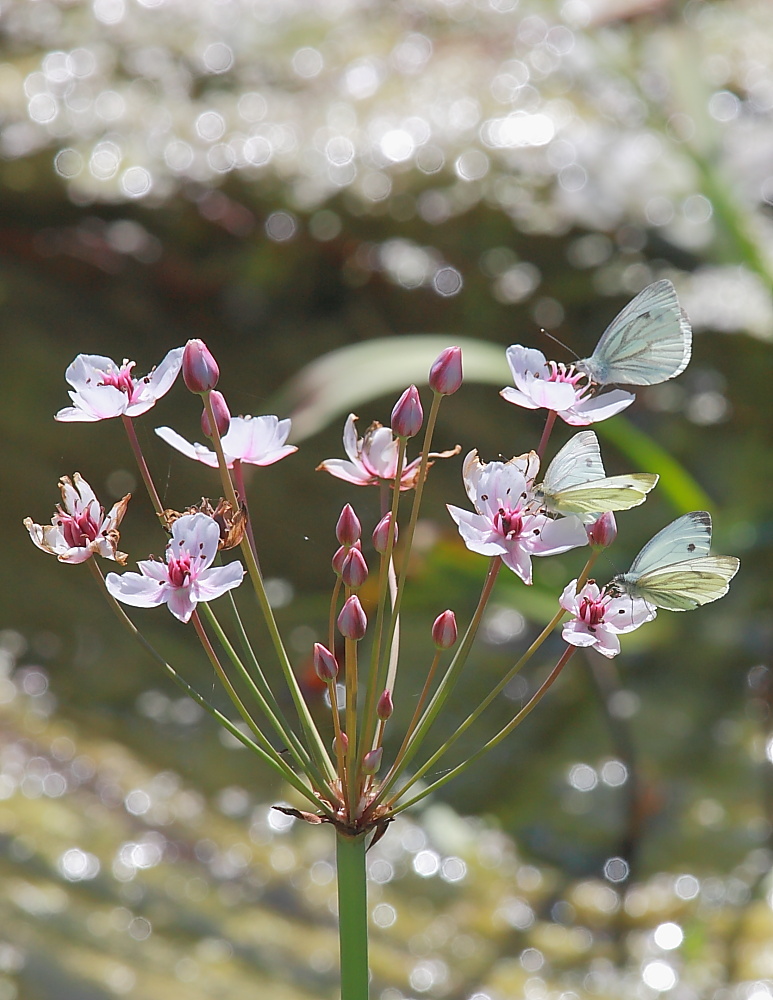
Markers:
<point>352,916</point>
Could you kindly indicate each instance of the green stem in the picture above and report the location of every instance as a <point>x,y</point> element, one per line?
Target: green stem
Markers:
<point>375,681</point>
<point>280,725</point>
<point>352,916</point>
<point>143,466</point>
<point>496,691</point>
<point>444,688</point>
<point>286,772</point>
<point>316,745</point>
<point>495,740</point>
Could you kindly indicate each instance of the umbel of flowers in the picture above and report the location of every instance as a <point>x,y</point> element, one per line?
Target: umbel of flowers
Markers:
<point>341,775</point>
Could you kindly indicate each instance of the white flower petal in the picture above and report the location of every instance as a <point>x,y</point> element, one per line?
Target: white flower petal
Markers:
<point>138,591</point>
<point>214,582</point>
<point>198,452</point>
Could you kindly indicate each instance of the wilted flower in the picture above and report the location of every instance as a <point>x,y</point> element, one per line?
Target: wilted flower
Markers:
<point>600,617</point>
<point>253,440</point>
<point>554,386</point>
<point>503,524</point>
<point>79,529</point>
<point>232,525</point>
<point>185,578</point>
<point>102,389</point>
<point>373,458</point>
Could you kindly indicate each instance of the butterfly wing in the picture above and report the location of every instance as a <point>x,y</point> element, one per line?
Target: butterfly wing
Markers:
<point>613,493</point>
<point>648,342</point>
<point>579,461</point>
<point>684,585</point>
<point>688,537</point>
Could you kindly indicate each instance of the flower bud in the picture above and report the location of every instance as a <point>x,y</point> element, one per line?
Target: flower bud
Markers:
<point>381,533</point>
<point>344,743</point>
<point>407,415</point>
<point>222,416</point>
<point>354,570</point>
<point>371,762</point>
<point>325,664</point>
<point>340,555</point>
<point>385,707</point>
<point>352,621</point>
<point>348,528</point>
<point>200,369</point>
<point>445,375</point>
<point>444,630</point>
<point>603,531</point>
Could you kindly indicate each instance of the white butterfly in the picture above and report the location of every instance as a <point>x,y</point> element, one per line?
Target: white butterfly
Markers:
<point>674,569</point>
<point>575,482</point>
<point>650,341</point>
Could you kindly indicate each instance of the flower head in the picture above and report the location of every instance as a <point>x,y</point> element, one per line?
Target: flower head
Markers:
<point>253,440</point>
<point>503,523</point>
<point>185,577</point>
<point>599,617</point>
<point>79,528</point>
<point>102,389</point>
<point>373,458</point>
<point>541,383</point>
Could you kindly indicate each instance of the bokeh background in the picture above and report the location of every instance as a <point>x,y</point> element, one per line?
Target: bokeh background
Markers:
<point>286,178</point>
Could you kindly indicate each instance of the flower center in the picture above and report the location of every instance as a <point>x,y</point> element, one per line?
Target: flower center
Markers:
<point>79,529</point>
<point>179,571</point>
<point>592,612</point>
<point>122,379</point>
<point>564,373</point>
<point>509,522</point>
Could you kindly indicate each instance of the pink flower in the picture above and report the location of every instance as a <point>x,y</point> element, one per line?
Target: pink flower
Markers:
<point>373,458</point>
<point>600,617</point>
<point>102,389</point>
<point>541,383</point>
<point>185,578</point>
<point>503,524</point>
<point>79,529</point>
<point>254,440</point>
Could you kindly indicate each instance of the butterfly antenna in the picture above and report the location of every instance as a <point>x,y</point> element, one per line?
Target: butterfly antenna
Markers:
<point>545,333</point>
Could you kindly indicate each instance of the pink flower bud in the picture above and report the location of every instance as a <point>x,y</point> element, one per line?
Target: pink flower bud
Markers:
<point>352,621</point>
<point>344,743</point>
<point>354,571</point>
<point>445,375</point>
<point>407,415</point>
<point>348,528</point>
<point>444,630</point>
<point>385,707</point>
<point>603,531</point>
<point>222,416</point>
<point>381,533</point>
<point>340,555</point>
<point>325,664</point>
<point>200,369</point>
<point>371,762</point>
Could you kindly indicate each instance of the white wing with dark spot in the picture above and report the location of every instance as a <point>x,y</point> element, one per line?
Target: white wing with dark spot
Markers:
<point>649,341</point>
